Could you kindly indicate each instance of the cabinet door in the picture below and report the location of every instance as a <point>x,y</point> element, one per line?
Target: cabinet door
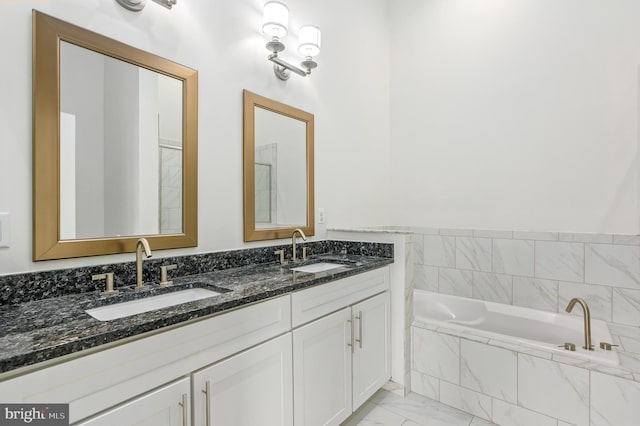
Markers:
<point>167,406</point>
<point>322,370</point>
<point>251,388</point>
<point>372,354</point>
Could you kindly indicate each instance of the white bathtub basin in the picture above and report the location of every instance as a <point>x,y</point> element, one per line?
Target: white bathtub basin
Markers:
<point>133,307</point>
<point>318,267</point>
<point>518,325</point>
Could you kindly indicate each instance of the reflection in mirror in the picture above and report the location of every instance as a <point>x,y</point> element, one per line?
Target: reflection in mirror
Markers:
<point>278,169</point>
<point>280,144</point>
<point>120,147</point>
<point>114,145</point>
<point>265,194</point>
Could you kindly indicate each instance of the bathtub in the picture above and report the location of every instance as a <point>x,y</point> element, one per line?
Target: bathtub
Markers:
<point>513,324</point>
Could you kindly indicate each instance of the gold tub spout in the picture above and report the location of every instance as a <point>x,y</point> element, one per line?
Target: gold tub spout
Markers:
<point>587,320</point>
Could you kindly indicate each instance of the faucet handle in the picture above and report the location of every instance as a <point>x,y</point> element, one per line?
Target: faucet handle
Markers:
<point>606,346</point>
<point>163,274</point>
<point>568,346</point>
<point>281,254</point>
<point>109,286</point>
<point>304,253</point>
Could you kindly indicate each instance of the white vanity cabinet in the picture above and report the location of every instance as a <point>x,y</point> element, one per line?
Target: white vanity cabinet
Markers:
<point>248,389</point>
<point>340,359</point>
<point>167,406</point>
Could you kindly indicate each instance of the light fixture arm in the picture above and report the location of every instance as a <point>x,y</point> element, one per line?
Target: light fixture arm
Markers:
<point>281,67</point>
<point>284,65</point>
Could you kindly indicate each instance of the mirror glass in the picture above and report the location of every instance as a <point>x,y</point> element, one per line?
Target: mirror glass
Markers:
<point>114,145</point>
<point>278,169</point>
<point>281,170</point>
<point>120,147</point>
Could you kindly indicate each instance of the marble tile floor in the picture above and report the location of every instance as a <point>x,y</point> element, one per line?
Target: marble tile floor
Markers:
<point>386,408</point>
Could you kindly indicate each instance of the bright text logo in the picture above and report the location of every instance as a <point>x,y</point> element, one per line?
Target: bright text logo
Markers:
<point>34,414</point>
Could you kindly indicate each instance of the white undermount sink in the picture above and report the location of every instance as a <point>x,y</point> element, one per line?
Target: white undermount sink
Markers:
<point>133,307</point>
<point>318,267</point>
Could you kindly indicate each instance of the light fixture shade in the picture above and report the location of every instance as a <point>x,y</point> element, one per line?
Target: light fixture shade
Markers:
<point>275,19</point>
<point>309,40</point>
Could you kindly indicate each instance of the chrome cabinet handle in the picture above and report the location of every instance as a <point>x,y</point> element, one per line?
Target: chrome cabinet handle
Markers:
<point>359,318</point>
<point>207,402</point>
<point>183,404</point>
<point>351,344</point>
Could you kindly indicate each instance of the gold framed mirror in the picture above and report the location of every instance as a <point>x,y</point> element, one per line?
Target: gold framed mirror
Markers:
<point>115,145</point>
<point>278,169</point>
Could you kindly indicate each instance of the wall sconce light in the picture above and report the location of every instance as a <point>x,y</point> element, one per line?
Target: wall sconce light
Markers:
<point>275,22</point>
<point>138,5</point>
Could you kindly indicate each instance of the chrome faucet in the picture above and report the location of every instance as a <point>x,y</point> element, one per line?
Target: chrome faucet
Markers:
<point>142,244</point>
<point>587,320</point>
<point>293,240</point>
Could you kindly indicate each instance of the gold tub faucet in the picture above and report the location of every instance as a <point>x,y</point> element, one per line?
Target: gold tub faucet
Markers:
<point>587,320</point>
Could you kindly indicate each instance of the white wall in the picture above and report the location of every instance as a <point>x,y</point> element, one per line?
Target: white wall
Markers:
<point>507,114</point>
<point>515,114</point>
<point>348,93</point>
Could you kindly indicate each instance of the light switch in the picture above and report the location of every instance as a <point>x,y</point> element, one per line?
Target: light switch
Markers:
<point>5,235</point>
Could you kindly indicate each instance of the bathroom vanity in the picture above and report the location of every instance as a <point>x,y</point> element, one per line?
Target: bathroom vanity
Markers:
<point>279,347</point>
<point>243,340</point>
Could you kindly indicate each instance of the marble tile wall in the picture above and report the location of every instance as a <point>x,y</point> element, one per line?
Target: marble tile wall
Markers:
<point>514,388</point>
<point>529,265</point>
<point>540,270</point>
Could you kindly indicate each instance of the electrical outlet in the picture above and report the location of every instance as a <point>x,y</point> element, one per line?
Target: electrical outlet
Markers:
<point>4,230</point>
<point>321,215</point>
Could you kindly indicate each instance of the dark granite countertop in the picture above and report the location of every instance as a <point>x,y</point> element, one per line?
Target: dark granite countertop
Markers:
<point>42,330</point>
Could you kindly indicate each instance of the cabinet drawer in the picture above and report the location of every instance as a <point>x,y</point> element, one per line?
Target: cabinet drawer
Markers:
<point>309,304</point>
<point>103,379</point>
<point>168,406</point>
